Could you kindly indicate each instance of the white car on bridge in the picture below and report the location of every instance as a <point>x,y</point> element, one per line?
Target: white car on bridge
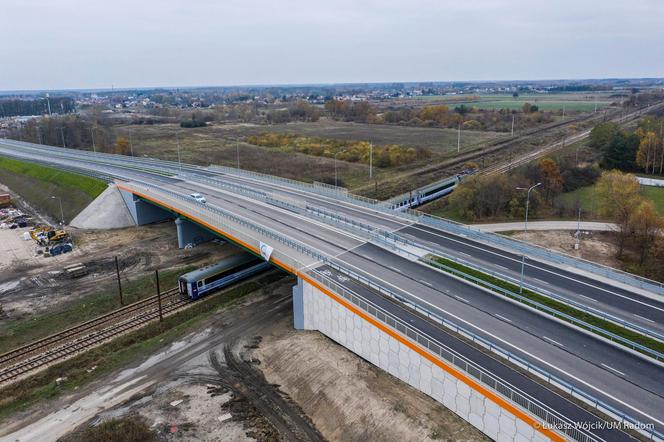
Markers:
<point>198,197</point>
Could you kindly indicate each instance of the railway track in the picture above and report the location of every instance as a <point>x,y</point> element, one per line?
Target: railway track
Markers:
<point>39,354</point>
<point>507,166</point>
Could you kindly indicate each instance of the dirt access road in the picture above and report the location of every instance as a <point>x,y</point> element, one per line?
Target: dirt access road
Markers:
<point>247,375</point>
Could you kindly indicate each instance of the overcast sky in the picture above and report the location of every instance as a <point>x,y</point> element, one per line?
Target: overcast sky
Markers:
<point>59,44</point>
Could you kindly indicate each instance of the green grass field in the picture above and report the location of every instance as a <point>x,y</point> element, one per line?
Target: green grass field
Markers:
<point>587,199</point>
<point>551,102</point>
<point>16,333</point>
<point>37,184</point>
<point>91,186</point>
<point>218,144</point>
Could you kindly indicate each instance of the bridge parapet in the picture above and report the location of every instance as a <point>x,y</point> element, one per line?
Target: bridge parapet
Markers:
<point>488,403</point>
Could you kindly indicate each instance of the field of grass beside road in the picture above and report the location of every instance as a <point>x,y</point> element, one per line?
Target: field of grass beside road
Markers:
<point>588,200</point>
<point>573,102</point>
<point>218,144</point>
<point>36,184</point>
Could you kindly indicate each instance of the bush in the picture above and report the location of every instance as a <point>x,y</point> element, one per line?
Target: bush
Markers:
<point>192,123</point>
<point>579,177</point>
<point>128,429</point>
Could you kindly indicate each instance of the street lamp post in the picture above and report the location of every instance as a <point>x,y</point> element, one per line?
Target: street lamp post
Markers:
<point>370,161</point>
<point>62,213</point>
<point>523,265</point>
<point>525,226</point>
<point>177,140</point>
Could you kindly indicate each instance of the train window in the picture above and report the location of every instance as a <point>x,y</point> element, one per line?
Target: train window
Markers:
<point>230,271</point>
<point>200,284</point>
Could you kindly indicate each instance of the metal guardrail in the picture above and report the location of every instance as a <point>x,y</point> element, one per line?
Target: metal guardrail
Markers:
<point>541,252</point>
<point>390,240</point>
<point>611,336</point>
<point>511,357</point>
<point>302,248</point>
<point>307,250</point>
<point>572,303</point>
<point>504,389</point>
<point>463,230</point>
<point>410,214</point>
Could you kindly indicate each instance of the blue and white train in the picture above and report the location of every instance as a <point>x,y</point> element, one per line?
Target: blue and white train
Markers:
<point>227,271</point>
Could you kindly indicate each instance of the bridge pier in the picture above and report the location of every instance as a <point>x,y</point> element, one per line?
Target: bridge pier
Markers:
<point>143,212</point>
<point>190,233</point>
<point>298,305</point>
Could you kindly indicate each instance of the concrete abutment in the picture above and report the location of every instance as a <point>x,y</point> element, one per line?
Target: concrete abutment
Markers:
<point>315,310</point>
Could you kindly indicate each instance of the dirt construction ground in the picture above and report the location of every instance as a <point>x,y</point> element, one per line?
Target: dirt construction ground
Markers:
<point>247,375</point>
<point>31,284</point>
<point>598,247</point>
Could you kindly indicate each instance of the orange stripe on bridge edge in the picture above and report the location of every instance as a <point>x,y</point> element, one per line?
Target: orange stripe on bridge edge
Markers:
<point>503,403</point>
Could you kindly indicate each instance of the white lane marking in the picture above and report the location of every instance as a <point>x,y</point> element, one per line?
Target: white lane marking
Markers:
<point>395,269</point>
<point>543,282</point>
<point>426,283</point>
<point>644,318</point>
<point>462,299</point>
<point>497,338</point>
<point>348,205</point>
<point>502,317</point>
<point>613,369</point>
<point>587,297</point>
<point>551,340</point>
<point>509,344</point>
<point>414,226</point>
<point>224,196</point>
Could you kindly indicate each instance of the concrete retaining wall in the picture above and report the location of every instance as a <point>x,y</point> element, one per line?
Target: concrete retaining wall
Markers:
<point>108,211</point>
<point>321,312</point>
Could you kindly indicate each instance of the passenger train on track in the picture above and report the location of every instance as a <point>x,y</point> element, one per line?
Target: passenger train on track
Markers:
<point>226,272</point>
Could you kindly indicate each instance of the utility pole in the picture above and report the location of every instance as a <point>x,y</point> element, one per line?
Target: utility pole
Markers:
<point>370,161</point>
<point>92,135</point>
<point>459,138</point>
<point>177,140</point>
<point>156,277</point>
<point>563,112</point>
<point>62,213</point>
<point>62,132</point>
<point>512,124</point>
<point>237,151</point>
<point>48,102</point>
<point>131,146</point>
<point>117,272</point>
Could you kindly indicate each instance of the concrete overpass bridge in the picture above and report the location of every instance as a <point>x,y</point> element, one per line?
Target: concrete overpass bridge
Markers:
<point>509,370</point>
